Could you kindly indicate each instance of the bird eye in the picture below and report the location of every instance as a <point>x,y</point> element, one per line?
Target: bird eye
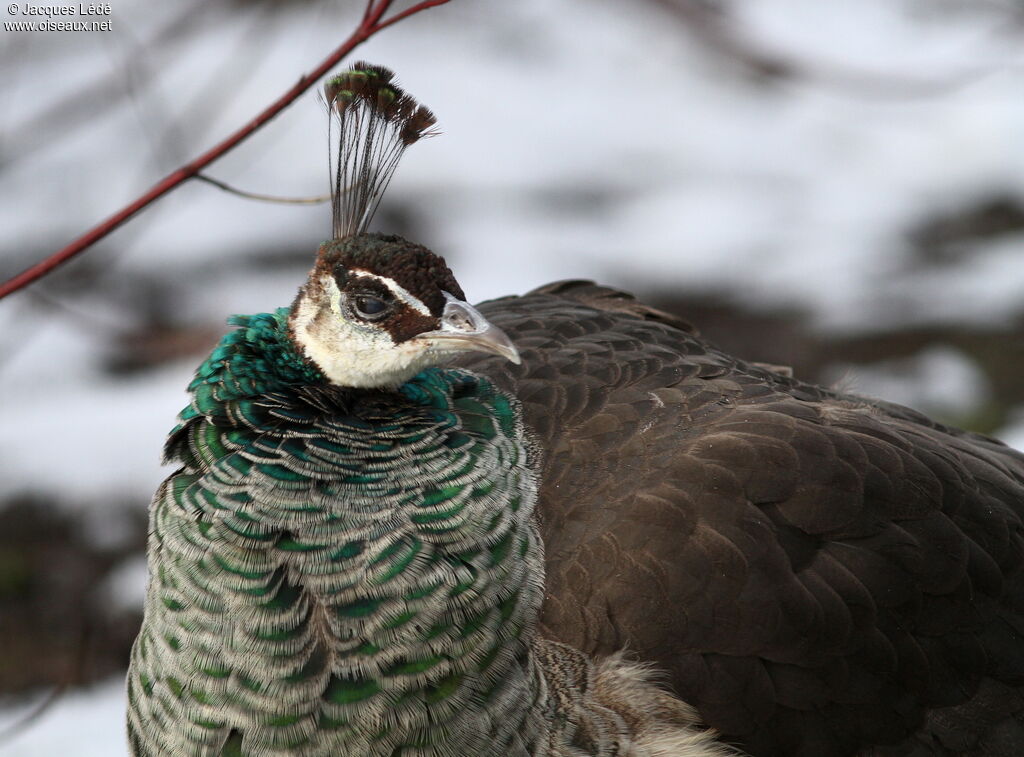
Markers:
<point>369,306</point>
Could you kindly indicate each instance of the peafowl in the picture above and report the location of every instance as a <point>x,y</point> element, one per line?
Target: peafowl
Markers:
<point>404,525</point>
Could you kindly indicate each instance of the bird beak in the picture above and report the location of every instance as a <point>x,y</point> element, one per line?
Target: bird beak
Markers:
<point>464,329</point>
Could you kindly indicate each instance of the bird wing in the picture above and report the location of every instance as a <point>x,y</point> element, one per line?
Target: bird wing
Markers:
<point>815,572</point>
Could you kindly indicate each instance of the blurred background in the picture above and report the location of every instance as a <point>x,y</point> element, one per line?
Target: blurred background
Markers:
<point>838,187</point>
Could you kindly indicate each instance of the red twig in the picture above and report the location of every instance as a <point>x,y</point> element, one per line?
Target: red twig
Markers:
<point>408,12</point>
<point>371,24</point>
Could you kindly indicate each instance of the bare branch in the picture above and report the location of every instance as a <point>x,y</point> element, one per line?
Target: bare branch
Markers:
<point>408,12</point>
<point>318,200</point>
<point>370,25</point>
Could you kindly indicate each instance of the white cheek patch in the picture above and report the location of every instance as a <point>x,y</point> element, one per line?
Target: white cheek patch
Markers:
<point>401,293</point>
<point>350,353</point>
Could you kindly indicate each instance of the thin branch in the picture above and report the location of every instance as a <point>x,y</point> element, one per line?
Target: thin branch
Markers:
<point>374,12</point>
<point>370,25</point>
<point>318,200</point>
<point>410,11</point>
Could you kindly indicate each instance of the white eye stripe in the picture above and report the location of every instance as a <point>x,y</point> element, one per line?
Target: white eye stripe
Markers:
<point>400,292</point>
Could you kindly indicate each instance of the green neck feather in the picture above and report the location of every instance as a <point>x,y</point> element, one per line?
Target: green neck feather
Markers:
<point>339,571</point>
<point>256,358</point>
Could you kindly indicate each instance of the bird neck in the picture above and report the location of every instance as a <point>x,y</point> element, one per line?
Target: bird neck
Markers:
<point>257,357</point>
<point>344,567</point>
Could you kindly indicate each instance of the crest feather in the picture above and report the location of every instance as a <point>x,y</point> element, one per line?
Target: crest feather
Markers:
<point>376,122</point>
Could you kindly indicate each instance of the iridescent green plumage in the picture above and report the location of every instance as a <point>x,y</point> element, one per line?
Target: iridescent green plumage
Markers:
<point>338,567</point>
<point>256,357</point>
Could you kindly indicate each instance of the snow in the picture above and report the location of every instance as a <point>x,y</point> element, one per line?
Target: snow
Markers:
<point>940,381</point>
<point>873,35</point>
<point>125,587</point>
<point>89,440</point>
<point>989,285</point>
<point>84,723</point>
<point>1013,433</point>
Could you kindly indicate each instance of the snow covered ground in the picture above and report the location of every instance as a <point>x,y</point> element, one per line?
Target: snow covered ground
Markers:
<point>582,138</point>
<point>83,723</point>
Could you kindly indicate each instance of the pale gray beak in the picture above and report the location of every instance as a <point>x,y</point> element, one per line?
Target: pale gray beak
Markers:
<point>464,329</point>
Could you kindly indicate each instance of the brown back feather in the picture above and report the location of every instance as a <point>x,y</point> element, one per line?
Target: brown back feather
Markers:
<point>817,572</point>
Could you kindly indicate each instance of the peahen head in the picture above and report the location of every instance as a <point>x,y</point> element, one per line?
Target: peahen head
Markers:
<point>377,310</point>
